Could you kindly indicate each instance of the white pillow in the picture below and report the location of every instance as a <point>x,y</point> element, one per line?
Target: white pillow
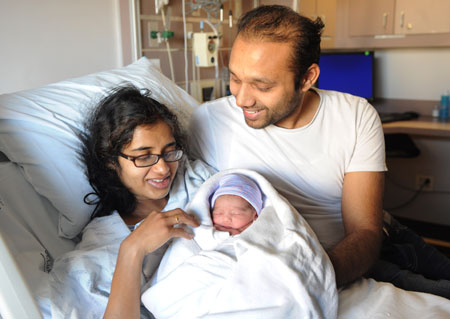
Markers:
<point>38,131</point>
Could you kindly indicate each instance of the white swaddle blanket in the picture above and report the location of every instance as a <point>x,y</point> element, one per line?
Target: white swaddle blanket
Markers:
<point>276,268</point>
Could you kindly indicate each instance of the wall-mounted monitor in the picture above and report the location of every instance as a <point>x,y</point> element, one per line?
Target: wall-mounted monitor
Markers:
<point>350,72</point>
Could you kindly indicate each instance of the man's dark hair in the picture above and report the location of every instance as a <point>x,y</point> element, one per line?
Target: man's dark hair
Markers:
<point>275,23</point>
<point>108,129</point>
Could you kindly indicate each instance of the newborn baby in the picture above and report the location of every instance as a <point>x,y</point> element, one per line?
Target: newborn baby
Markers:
<point>235,204</point>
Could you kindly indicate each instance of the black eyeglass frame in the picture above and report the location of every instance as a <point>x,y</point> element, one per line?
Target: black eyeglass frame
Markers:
<point>158,157</point>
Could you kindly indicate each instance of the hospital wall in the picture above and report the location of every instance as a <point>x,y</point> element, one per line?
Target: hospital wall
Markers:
<point>50,40</point>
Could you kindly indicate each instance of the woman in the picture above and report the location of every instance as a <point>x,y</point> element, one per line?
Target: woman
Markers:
<point>133,149</point>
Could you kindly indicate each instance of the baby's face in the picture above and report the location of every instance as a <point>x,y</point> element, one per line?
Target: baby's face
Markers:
<point>232,214</point>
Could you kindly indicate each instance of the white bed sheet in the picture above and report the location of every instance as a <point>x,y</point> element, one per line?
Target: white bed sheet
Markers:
<point>368,298</point>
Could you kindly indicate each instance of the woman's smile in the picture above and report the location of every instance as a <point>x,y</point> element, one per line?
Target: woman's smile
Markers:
<point>160,183</point>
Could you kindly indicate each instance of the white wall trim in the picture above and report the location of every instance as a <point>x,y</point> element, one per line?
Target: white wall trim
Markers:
<point>135,29</point>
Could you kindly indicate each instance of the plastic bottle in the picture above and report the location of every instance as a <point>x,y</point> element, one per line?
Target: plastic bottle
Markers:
<point>443,111</point>
<point>436,111</point>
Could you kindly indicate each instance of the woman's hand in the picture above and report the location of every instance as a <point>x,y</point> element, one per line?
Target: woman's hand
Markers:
<point>152,233</point>
<point>157,228</point>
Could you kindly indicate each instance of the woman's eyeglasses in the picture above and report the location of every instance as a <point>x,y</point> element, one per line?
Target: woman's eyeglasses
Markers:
<point>151,159</point>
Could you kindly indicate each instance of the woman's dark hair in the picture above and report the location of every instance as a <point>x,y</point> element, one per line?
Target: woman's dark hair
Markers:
<point>108,129</point>
<point>283,25</point>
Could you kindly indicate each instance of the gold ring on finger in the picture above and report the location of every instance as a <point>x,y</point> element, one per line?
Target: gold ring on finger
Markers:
<point>177,219</point>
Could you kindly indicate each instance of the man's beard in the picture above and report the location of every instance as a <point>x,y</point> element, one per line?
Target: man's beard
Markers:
<point>274,116</point>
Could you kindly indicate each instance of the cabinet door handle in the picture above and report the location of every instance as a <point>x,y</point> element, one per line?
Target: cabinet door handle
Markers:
<point>385,18</point>
<point>402,19</point>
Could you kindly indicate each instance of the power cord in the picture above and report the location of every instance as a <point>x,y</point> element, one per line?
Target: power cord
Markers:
<point>415,195</point>
<point>399,185</point>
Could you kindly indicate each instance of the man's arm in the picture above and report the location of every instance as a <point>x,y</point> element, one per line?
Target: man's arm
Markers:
<point>362,214</point>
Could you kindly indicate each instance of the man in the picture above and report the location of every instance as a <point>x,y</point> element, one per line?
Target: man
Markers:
<point>322,150</point>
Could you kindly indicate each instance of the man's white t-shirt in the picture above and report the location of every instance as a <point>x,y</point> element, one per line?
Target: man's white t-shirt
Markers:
<point>306,165</point>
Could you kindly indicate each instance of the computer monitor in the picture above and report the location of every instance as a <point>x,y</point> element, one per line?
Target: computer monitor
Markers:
<point>349,72</point>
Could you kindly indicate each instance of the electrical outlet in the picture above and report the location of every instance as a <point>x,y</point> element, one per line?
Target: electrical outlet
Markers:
<point>421,180</point>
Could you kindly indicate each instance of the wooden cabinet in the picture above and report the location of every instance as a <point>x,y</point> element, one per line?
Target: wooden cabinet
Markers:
<point>398,17</point>
<point>326,10</point>
<point>392,23</point>
<point>368,18</point>
<point>422,16</point>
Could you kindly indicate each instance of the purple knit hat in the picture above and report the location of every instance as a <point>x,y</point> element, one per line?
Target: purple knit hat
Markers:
<point>239,185</point>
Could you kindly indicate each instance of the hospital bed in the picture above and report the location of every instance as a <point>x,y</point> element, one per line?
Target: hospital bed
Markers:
<point>42,186</point>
